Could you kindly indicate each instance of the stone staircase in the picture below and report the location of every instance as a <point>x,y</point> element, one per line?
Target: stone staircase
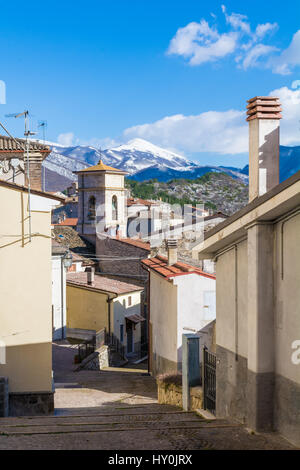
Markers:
<point>121,426</point>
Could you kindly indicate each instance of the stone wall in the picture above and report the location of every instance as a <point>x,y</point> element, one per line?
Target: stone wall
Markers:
<point>35,169</point>
<point>171,394</point>
<point>128,267</point>
<point>31,404</point>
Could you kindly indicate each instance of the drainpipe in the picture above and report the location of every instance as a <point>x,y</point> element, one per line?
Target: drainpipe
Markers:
<point>82,211</point>
<point>148,318</point>
<point>109,301</point>
<point>62,295</point>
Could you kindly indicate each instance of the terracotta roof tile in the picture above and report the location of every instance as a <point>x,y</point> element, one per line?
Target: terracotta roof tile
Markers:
<point>135,242</point>
<point>69,221</point>
<point>132,201</point>
<point>101,167</point>
<point>159,264</point>
<point>102,283</point>
<point>7,144</point>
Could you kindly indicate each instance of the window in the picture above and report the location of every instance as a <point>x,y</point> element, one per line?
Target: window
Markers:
<point>92,208</point>
<point>129,301</point>
<point>121,333</point>
<point>114,204</point>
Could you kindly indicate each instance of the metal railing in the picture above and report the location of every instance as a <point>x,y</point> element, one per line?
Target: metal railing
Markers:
<point>100,338</point>
<point>209,380</point>
<point>113,342</point>
<point>85,349</point>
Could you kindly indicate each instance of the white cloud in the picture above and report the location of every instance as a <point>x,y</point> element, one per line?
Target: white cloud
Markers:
<point>296,84</point>
<point>289,58</point>
<point>200,43</point>
<point>211,131</point>
<point>218,132</point>
<point>290,100</point>
<point>66,139</point>
<point>263,29</point>
<point>237,21</point>
<point>252,57</point>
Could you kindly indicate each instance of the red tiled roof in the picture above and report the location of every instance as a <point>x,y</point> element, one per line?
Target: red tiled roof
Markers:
<point>135,242</point>
<point>159,264</point>
<point>69,221</point>
<point>132,201</point>
<point>102,283</point>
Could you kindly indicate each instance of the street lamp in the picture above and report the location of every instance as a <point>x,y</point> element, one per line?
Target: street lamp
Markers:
<point>67,259</point>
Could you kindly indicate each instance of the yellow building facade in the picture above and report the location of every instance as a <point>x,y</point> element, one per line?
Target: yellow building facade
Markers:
<point>25,291</point>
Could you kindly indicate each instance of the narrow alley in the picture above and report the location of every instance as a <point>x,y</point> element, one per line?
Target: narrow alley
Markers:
<point>117,409</point>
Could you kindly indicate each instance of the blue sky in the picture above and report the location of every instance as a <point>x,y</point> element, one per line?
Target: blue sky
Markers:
<point>176,73</point>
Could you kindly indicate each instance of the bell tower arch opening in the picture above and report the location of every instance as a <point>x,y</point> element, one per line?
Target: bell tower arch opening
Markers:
<point>114,207</point>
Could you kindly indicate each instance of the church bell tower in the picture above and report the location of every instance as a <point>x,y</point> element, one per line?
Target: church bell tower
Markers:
<point>101,202</point>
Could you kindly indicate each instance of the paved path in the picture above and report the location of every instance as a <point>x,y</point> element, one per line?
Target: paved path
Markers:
<point>118,410</point>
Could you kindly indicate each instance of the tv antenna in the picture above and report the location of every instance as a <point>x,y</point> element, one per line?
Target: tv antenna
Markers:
<point>27,133</point>
<point>43,125</point>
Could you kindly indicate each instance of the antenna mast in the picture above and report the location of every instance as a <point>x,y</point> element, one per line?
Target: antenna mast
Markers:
<point>27,133</point>
<point>43,124</point>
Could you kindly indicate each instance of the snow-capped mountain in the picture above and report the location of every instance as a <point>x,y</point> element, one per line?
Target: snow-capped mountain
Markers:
<point>143,160</point>
<point>139,154</point>
<point>134,156</point>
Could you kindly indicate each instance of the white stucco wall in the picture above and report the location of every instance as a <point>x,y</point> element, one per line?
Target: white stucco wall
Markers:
<point>122,309</point>
<point>58,297</point>
<point>196,305</point>
<point>183,304</point>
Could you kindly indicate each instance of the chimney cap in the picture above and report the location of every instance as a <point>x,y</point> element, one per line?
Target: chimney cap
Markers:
<point>263,107</point>
<point>171,242</point>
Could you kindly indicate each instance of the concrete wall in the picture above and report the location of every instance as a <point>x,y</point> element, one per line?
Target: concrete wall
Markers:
<point>196,305</point>
<point>287,328</point>
<point>87,309</point>
<point>163,324</point>
<point>231,332</point>
<point>25,291</point>
<point>258,328</point>
<point>183,304</point>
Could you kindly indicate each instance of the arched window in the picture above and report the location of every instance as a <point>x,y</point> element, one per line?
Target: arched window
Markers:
<point>114,205</point>
<point>92,208</point>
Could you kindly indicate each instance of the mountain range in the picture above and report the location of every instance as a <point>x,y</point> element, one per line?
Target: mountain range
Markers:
<point>142,161</point>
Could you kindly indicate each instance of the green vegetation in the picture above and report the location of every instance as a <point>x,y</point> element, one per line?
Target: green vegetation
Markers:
<point>217,190</point>
<point>147,190</point>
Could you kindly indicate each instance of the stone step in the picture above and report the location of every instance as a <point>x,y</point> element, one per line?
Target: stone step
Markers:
<point>100,418</point>
<point>114,426</point>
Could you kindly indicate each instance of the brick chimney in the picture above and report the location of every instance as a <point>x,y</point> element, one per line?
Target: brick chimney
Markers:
<point>263,117</point>
<point>172,251</point>
<point>90,271</point>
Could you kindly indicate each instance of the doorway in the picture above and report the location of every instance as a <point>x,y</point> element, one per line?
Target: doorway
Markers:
<point>130,346</point>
